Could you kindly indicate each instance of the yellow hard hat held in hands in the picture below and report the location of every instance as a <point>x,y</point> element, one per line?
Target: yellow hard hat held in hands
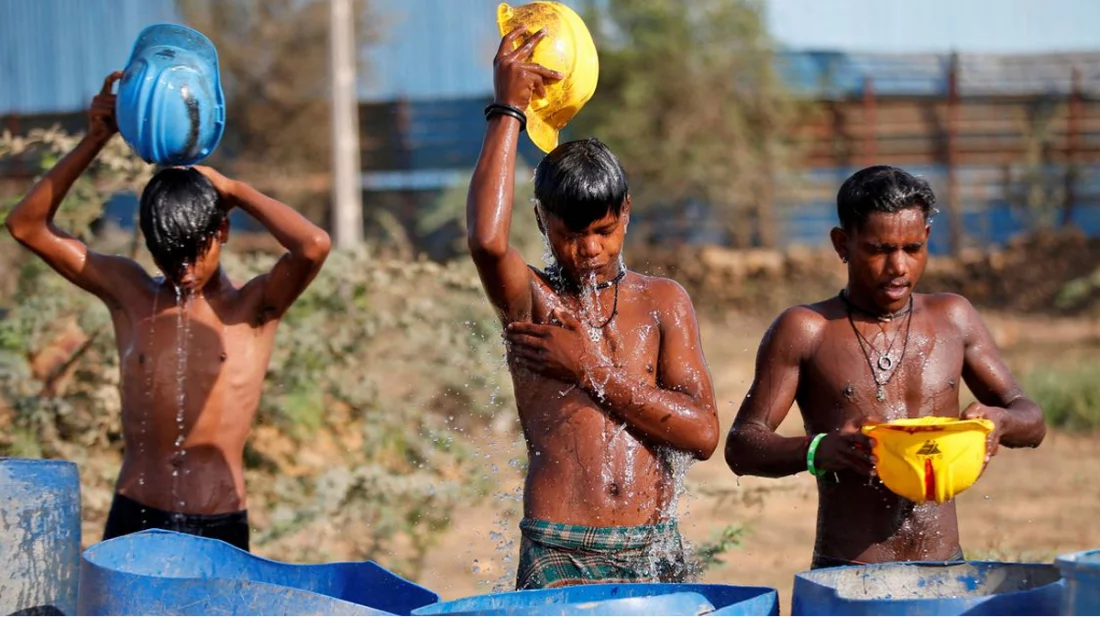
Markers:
<point>567,49</point>
<point>930,458</point>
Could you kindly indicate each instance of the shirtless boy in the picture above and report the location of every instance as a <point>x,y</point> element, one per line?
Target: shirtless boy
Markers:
<point>875,351</point>
<point>193,346</point>
<point>610,380</point>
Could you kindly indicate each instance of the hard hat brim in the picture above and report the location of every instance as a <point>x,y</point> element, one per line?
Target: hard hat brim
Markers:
<point>179,37</point>
<point>542,134</point>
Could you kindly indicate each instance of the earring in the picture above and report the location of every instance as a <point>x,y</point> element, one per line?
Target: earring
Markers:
<point>844,260</point>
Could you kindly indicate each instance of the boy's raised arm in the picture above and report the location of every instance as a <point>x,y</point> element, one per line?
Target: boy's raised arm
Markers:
<point>489,203</point>
<point>307,244</point>
<point>31,222</point>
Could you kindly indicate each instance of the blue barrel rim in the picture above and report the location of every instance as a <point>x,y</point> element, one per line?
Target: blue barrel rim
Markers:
<point>752,592</point>
<point>128,538</point>
<point>760,589</point>
<point>805,577</point>
<point>1088,559</point>
<point>18,461</point>
<point>109,563</point>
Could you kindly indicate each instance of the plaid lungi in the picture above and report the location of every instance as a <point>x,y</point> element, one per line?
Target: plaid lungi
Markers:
<point>556,554</point>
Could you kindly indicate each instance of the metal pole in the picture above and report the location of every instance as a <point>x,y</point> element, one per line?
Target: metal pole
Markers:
<point>347,219</point>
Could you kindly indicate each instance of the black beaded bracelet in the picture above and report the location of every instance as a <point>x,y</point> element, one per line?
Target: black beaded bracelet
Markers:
<point>500,109</point>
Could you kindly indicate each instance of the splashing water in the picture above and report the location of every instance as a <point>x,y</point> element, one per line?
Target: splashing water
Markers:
<point>184,301</point>
<point>505,540</point>
<point>671,551</point>
<point>548,259</point>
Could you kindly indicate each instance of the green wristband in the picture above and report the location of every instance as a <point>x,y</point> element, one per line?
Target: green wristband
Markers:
<point>811,453</point>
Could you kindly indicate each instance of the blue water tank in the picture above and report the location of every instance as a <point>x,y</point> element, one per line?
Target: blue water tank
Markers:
<point>618,599</point>
<point>1081,575</point>
<point>39,537</point>
<point>914,588</point>
<point>160,572</point>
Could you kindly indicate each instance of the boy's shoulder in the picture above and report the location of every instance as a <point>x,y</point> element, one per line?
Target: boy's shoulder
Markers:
<point>815,313</point>
<point>128,281</point>
<point>659,289</point>
<point>953,308</point>
<point>802,327</point>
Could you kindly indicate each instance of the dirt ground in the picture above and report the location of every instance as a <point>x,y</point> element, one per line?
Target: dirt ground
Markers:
<point>1030,504</point>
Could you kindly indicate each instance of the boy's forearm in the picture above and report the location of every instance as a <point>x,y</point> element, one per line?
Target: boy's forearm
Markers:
<point>665,417</point>
<point>492,188</point>
<point>1024,424</point>
<point>756,450</point>
<point>38,207</point>
<point>295,232</point>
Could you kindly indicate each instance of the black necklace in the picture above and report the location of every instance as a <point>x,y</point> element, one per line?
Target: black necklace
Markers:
<point>885,364</point>
<point>562,284</point>
<point>880,316</point>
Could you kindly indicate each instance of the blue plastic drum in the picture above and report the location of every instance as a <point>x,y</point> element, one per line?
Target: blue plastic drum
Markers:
<point>39,537</point>
<point>1081,575</point>
<point>908,588</point>
<point>618,599</point>
<point>167,573</point>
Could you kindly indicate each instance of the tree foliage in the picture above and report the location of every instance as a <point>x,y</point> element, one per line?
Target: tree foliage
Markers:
<point>274,62</point>
<point>690,100</point>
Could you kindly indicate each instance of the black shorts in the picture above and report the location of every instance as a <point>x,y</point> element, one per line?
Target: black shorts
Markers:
<point>128,516</point>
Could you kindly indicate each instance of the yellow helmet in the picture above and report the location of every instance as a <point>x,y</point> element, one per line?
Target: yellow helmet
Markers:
<point>567,49</point>
<point>929,458</point>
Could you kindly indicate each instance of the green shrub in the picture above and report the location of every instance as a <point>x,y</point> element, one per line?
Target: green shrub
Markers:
<point>1069,397</point>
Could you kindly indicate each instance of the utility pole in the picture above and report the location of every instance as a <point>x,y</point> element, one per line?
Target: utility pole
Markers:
<point>347,194</point>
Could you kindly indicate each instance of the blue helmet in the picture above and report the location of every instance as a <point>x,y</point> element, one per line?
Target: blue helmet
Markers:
<point>170,106</point>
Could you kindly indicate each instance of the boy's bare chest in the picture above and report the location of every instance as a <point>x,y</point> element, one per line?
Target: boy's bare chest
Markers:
<point>625,333</point>
<point>196,342</point>
<point>889,373</point>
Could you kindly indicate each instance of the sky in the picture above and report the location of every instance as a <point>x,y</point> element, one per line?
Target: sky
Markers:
<point>909,26</point>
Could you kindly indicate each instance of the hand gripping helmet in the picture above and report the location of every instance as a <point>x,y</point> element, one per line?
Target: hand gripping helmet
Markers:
<point>929,459</point>
<point>567,49</point>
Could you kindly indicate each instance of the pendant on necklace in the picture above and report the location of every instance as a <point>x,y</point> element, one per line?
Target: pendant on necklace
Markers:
<point>880,394</point>
<point>884,363</point>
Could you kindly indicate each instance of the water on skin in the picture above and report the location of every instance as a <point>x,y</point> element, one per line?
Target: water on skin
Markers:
<point>664,550</point>
<point>184,301</point>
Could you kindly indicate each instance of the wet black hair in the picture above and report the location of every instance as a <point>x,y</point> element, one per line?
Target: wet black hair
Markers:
<point>882,188</point>
<point>580,182</point>
<point>181,213</point>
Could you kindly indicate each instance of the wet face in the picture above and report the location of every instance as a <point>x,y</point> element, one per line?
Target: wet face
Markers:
<point>886,257</point>
<point>593,250</point>
<point>197,275</point>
